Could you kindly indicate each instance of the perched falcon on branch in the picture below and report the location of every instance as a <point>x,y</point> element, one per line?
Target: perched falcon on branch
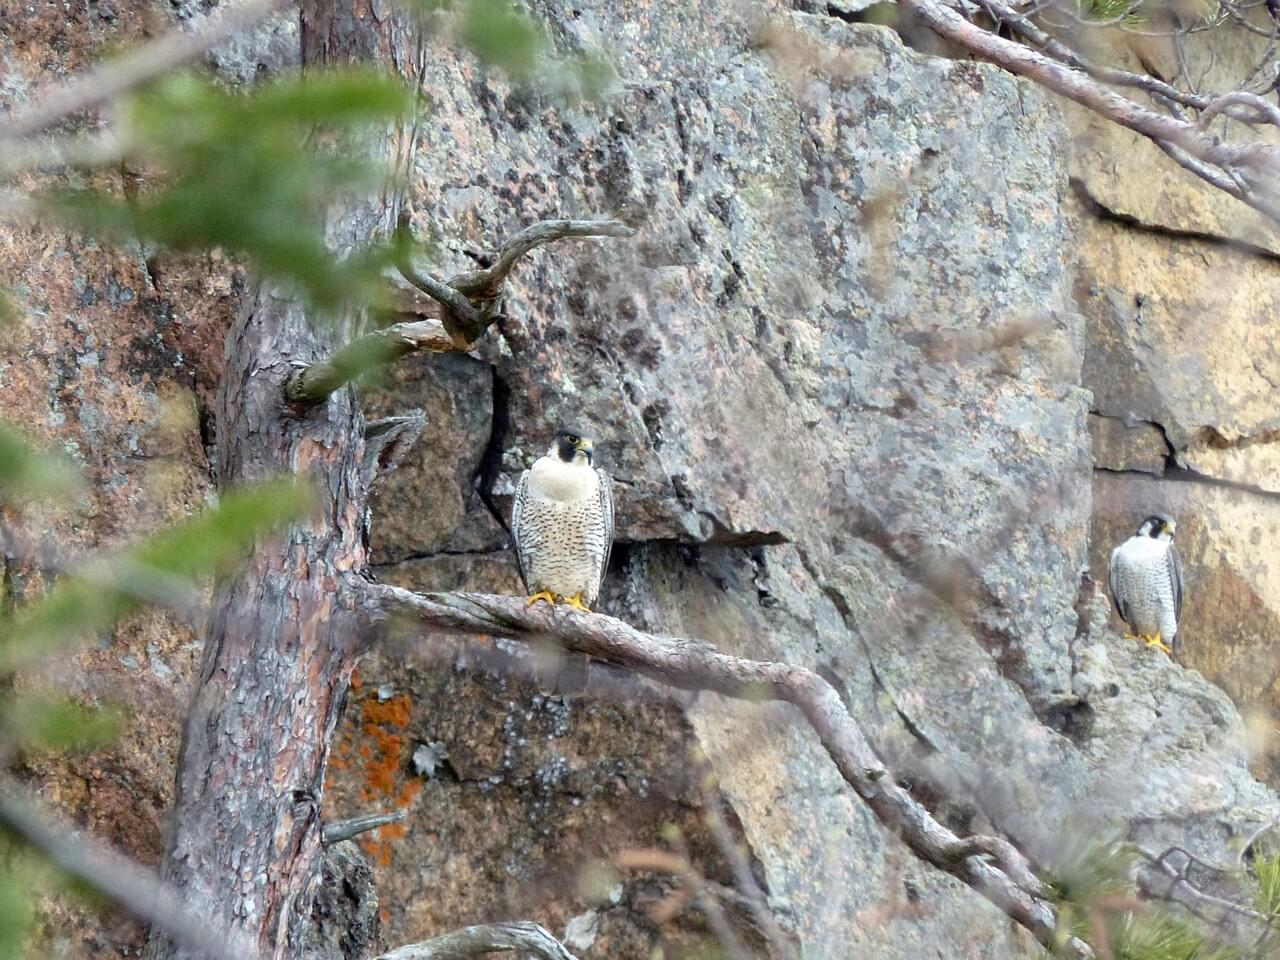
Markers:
<point>562,524</point>
<point>1146,583</point>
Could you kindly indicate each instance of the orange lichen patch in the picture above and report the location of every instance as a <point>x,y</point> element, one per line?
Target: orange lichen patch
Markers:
<point>376,749</point>
<point>395,712</point>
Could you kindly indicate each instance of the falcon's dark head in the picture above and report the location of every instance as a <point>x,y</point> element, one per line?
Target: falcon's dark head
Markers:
<point>1158,526</point>
<point>572,446</point>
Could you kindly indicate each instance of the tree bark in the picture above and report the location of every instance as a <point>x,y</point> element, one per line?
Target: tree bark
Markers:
<point>280,646</point>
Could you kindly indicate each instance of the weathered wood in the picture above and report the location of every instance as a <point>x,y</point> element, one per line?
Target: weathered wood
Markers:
<point>280,648</point>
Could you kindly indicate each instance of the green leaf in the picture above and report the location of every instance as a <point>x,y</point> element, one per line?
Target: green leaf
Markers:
<point>8,310</point>
<point>26,474</point>
<point>500,35</point>
<point>40,722</point>
<point>253,174</point>
<point>161,568</point>
<point>16,913</point>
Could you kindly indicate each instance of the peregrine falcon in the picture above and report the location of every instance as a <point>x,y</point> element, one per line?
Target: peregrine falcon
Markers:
<point>562,524</point>
<point>1146,582</point>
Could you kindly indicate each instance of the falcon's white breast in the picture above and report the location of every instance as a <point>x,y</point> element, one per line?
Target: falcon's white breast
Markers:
<point>562,525</point>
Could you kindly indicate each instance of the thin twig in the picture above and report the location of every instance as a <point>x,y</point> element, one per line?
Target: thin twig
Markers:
<point>745,879</point>
<point>122,881</point>
<point>694,885</point>
<point>990,866</point>
<point>530,938</point>
<point>109,80</point>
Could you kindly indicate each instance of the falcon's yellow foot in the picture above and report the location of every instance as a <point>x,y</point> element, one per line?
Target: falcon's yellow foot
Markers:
<point>576,602</point>
<point>1132,636</point>
<point>1155,640</point>
<point>546,595</point>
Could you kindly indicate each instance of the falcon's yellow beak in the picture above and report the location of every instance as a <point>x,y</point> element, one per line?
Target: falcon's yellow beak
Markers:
<point>584,446</point>
<point>1170,528</point>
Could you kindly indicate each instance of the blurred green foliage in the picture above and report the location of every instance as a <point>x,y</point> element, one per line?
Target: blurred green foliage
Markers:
<point>504,36</point>
<point>1093,886</point>
<point>1138,13</point>
<point>161,568</point>
<point>251,173</point>
<point>40,722</point>
<point>165,567</point>
<point>26,474</point>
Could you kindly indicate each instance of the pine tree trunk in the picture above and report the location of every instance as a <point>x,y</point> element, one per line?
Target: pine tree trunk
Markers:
<point>281,644</point>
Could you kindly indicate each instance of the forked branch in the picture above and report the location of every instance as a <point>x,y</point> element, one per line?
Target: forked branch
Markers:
<point>1253,167</point>
<point>469,306</point>
<point>990,865</point>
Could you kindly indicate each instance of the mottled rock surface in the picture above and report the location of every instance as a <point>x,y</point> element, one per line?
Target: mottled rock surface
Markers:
<point>838,380</point>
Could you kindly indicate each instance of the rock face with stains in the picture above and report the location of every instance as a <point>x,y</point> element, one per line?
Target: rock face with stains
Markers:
<point>837,378</point>
<point>1177,284</point>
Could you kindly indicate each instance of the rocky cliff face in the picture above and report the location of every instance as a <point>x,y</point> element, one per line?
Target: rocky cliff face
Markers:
<point>842,380</point>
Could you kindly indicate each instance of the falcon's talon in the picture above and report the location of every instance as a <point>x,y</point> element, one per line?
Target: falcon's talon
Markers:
<point>541,595</point>
<point>1155,640</point>
<point>576,602</point>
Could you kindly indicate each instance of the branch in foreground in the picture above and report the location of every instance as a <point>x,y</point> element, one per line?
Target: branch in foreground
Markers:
<point>111,79</point>
<point>529,938</point>
<point>468,301</point>
<point>990,865</point>
<point>127,884</point>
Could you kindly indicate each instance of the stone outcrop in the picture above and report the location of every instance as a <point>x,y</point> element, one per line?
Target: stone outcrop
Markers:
<point>838,381</point>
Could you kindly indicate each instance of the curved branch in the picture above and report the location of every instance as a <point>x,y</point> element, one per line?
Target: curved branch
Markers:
<point>333,833</point>
<point>468,309</point>
<point>530,938</point>
<point>1268,111</point>
<point>991,866</point>
<point>483,284</point>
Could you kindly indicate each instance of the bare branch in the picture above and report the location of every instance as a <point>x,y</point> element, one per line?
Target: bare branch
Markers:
<point>1268,110</point>
<point>122,881</point>
<point>1249,161</point>
<point>1182,891</point>
<point>469,309</point>
<point>313,383</point>
<point>486,283</point>
<point>989,865</point>
<point>346,829</point>
<point>111,79</point>
<point>530,938</point>
<point>455,304</point>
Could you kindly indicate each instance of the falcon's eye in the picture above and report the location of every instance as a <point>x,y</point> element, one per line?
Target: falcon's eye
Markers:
<point>571,438</point>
